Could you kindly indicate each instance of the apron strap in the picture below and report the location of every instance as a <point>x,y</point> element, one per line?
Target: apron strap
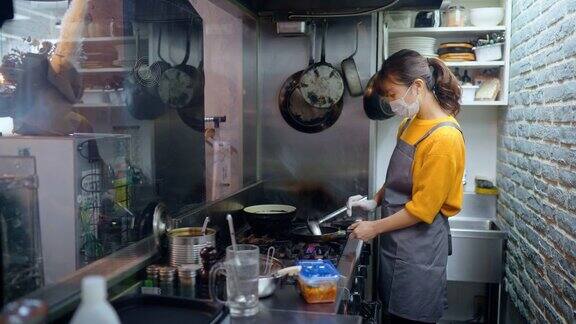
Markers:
<point>404,126</point>
<point>431,130</point>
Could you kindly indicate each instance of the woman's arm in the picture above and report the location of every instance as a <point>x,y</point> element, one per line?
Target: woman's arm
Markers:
<point>367,230</point>
<point>379,196</point>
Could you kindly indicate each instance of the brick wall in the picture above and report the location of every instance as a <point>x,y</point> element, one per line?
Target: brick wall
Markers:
<point>537,161</point>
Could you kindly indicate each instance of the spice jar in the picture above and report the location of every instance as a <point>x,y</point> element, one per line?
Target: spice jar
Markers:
<point>152,273</point>
<point>187,279</point>
<point>455,16</point>
<point>167,276</point>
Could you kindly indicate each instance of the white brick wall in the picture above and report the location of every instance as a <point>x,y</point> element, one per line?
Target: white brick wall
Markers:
<point>537,161</point>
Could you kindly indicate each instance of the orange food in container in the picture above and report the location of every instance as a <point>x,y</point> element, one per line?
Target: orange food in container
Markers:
<point>318,281</point>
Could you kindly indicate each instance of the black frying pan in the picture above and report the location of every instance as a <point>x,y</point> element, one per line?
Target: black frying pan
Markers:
<point>269,218</point>
<point>177,86</point>
<point>298,113</point>
<point>143,103</point>
<point>321,85</point>
<point>375,106</point>
<point>303,234</point>
<point>350,71</point>
<point>161,65</point>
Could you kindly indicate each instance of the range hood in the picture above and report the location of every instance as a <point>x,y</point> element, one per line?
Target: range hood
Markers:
<point>339,7</point>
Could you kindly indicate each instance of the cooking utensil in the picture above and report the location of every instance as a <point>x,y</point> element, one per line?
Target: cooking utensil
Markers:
<point>350,70</point>
<point>314,226</point>
<point>269,257</point>
<point>303,234</point>
<point>176,87</point>
<point>232,232</point>
<point>375,106</point>
<point>321,85</point>
<point>185,244</point>
<point>205,225</point>
<point>270,218</point>
<point>143,104</point>
<point>267,284</point>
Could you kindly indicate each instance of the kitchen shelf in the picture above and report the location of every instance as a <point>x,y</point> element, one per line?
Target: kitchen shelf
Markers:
<point>484,103</point>
<point>100,39</point>
<point>444,31</point>
<point>476,64</point>
<point>98,105</point>
<point>105,70</point>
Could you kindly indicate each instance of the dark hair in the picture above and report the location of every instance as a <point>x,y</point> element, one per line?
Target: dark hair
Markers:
<point>406,66</point>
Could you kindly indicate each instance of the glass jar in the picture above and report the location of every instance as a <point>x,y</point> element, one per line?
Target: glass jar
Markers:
<point>455,16</point>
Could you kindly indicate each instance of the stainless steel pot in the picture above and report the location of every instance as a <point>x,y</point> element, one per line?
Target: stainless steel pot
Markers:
<point>186,243</point>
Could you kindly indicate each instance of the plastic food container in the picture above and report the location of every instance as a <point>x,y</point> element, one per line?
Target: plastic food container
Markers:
<point>486,17</point>
<point>492,52</point>
<point>318,281</point>
<point>399,19</point>
<point>468,92</point>
<point>455,16</point>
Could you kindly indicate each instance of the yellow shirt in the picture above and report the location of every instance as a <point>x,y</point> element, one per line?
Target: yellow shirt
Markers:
<point>437,169</point>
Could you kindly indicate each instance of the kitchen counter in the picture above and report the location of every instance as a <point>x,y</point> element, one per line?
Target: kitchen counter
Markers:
<point>287,297</point>
<point>266,315</point>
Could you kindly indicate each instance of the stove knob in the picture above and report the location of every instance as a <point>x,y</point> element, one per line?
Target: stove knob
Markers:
<point>362,271</point>
<point>358,285</point>
<point>355,304</point>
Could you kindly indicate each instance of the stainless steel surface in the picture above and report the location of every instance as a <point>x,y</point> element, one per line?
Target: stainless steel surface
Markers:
<point>291,28</point>
<point>322,6</point>
<point>63,296</point>
<point>478,206</point>
<point>266,315</point>
<point>330,165</point>
<point>287,297</point>
<point>186,243</point>
<point>477,250</point>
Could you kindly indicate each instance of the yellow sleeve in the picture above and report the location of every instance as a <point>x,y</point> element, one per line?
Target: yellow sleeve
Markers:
<point>434,175</point>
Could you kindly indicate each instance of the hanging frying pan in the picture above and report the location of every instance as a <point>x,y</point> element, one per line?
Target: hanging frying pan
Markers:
<point>375,106</point>
<point>198,73</point>
<point>193,114</point>
<point>160,66</point>
<point>321,85</point>
<point>297,112</point>
<point>143,104</point>
<point>176,87</point>
<point>350,71</point>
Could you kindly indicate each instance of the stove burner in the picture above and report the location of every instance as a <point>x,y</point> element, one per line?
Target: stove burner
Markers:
<point>289,252</point>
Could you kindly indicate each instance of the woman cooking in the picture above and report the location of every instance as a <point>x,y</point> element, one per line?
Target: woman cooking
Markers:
<point>423,188</point>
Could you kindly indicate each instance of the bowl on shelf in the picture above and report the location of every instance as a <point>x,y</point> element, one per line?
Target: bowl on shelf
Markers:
<point>486,17</point>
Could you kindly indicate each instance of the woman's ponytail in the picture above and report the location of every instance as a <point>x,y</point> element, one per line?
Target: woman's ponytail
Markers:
<point>446,86</point>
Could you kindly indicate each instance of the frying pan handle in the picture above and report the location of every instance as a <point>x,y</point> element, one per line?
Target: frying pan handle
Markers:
<point>357,34</point>
<point>323,53</point>
<point>159,42</point>
<point>188,35</point>
<point>311,60</point>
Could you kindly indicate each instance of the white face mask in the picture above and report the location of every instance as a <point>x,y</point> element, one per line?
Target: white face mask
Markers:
<point>401,108</point>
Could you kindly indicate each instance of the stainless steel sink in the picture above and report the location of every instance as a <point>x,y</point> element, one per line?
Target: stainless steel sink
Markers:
<point>477,250</point>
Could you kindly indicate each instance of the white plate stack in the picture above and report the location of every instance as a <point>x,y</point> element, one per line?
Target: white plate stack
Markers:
<point>426,46</point>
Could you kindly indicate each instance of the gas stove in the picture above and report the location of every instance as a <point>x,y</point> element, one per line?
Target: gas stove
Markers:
<point>289,251</point>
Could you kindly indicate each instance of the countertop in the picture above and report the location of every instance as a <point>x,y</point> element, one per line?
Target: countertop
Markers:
<point>266,315</point>
<point>287,297</point>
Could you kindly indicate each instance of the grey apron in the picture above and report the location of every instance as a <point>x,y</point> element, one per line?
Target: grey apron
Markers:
<point>412,260</point>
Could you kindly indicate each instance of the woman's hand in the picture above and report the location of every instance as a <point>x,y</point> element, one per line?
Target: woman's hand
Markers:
<point>364,230</point>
